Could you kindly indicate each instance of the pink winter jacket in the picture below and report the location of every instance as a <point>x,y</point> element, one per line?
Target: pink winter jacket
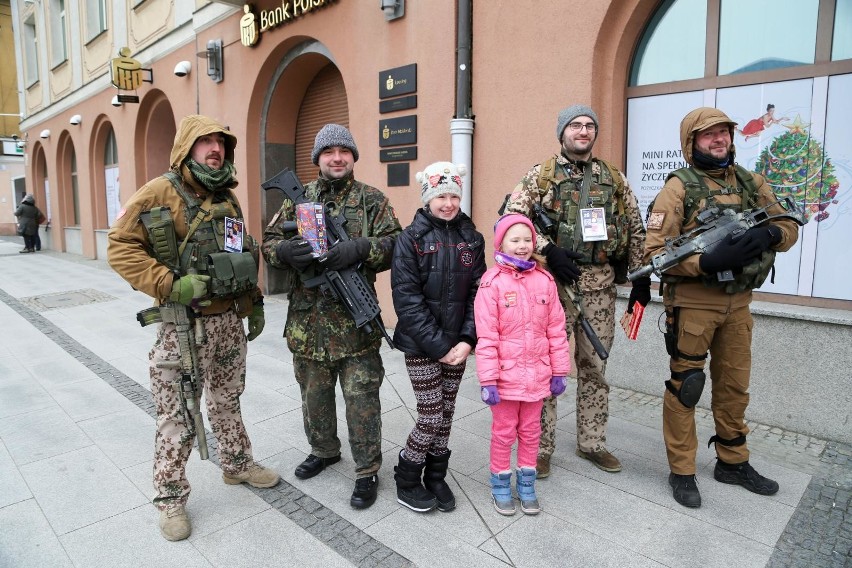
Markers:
<point>521,337</point>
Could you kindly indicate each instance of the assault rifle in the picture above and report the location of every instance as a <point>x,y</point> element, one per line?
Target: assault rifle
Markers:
<point>348,284</point>
<point>190,333</point>
<point>714,225</point>
<point>571,296</point>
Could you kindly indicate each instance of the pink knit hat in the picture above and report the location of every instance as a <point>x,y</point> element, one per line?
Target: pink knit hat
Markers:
<point>503,223</point>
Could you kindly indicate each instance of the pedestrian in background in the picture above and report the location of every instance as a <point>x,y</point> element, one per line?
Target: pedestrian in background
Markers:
<point>320,333</point>
<point>189,205</point>
<point>29,217</point>
<point>437,263</point>
<point>522,356</point>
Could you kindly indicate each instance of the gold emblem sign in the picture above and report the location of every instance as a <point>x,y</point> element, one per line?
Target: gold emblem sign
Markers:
<point>249,29</point>
<point>389,83</point>
<point>126,72</point>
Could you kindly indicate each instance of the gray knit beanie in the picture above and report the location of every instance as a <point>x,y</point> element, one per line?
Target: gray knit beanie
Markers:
<point>333,135</point>
<point>569,114</point>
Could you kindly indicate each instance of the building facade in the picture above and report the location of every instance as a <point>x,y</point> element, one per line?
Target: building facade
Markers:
<point>103,86</point>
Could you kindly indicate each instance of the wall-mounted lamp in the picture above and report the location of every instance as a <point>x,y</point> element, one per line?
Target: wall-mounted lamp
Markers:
<point>45,134</point>
<point>393,9</point>
<point>76,119</point>
<point>183,68</point>
<point>115,102</point>
<point>215,61</point>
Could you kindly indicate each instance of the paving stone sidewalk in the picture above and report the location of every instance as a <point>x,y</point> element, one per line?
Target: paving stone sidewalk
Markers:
<point>52,304</point>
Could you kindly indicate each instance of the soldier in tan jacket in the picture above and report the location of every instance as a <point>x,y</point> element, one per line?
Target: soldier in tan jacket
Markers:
<point>705,315</point>
<point>169,242</point>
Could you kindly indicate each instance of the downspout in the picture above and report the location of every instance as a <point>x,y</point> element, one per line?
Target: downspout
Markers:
<point>461,126</point>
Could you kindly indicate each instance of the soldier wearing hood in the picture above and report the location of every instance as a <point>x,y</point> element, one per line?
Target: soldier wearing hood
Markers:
<point>169,242</point>
<point>704,315</point>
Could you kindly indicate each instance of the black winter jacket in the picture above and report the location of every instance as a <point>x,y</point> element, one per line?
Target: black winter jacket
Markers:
<point>435,273</point>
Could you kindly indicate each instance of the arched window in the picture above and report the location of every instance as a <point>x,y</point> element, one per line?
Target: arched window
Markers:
<point>781,69</point>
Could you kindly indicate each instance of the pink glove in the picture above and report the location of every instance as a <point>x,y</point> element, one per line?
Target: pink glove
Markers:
<point>490,396</point>
<point>557,385</point>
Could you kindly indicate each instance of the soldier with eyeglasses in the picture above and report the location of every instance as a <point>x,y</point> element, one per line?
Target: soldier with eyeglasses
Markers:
<point>568,188</point>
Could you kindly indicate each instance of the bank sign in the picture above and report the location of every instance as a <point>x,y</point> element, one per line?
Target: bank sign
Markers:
<point>252,24</point>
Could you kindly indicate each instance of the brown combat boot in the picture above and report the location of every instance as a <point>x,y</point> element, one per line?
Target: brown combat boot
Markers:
<point>256,476</point>
<point>542,466</point>
<point>174,523</point>
<point>603,459</point>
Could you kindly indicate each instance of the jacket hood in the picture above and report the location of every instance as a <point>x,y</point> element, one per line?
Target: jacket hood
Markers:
<point>698,120</point>
<point>28,199</point>
<point>193,126</point>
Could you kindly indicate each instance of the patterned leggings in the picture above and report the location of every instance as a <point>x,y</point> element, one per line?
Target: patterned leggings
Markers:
<point>435,387</point>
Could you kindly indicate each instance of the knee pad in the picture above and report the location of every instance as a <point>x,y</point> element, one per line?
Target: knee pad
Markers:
<point>691,386</point>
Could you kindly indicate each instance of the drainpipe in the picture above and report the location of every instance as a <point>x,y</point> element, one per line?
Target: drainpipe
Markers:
<point>461,126</point>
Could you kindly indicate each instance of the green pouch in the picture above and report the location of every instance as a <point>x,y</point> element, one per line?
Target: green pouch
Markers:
<point>231,274</point>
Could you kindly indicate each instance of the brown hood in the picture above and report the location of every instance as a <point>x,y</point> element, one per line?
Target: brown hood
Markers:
<point>698,120</point>
<point>193,126</point>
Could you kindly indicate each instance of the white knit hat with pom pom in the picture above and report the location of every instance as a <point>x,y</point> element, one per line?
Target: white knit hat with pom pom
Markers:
<point>440,178</point>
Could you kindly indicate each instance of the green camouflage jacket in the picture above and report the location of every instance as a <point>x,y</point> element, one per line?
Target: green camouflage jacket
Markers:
<point>319,327</point>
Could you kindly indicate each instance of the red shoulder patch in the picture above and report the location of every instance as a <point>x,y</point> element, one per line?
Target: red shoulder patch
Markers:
<point>655,220</point>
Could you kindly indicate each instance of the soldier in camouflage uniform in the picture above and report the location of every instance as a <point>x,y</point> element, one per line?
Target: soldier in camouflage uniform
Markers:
<point>590,268</point>
<point>192,201</point>
<point>320,333</point>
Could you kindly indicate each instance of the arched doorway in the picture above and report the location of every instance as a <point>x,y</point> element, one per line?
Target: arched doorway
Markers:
<point>307,91</point>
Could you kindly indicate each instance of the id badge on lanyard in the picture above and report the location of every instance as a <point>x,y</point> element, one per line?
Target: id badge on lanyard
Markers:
<point>593,224</point>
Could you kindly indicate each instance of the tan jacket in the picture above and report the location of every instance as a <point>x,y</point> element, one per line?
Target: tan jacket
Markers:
<point>668,210</point>
<point>128,250</point>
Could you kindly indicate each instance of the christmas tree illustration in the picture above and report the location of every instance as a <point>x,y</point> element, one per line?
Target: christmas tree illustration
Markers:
<point>795,164</point>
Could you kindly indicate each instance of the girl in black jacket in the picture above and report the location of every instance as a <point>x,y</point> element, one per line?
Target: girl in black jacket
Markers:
<point>437,263</point>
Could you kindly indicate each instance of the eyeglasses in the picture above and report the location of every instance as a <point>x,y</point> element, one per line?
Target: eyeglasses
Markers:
<point>577,126</point>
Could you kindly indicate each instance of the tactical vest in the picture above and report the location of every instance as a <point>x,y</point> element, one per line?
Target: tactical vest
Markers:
<point>606,191</point>
<point>203,251</point>
<point>753,275</point>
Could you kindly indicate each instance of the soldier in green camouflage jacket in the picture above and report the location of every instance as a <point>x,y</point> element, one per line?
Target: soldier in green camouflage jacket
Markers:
<point>320,333</point>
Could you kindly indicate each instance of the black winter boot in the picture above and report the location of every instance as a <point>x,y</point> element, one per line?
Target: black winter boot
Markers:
<point>409,488</point>
<point>433,479</point>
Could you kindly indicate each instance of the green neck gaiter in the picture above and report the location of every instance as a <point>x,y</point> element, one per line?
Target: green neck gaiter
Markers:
<point>213,180</point>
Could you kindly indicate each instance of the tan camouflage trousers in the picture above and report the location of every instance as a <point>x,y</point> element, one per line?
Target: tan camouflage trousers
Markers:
<point>360,380</point>
<point>592,388</point>
<point>222,366</point>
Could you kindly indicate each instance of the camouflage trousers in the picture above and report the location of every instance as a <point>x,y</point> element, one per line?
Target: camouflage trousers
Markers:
<point>360,380</point>
<point>592,388</point>
<point>222,369</point>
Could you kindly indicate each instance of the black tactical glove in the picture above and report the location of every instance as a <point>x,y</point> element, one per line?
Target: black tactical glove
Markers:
<point>730,254</point>
<point>561,263</point>
<point>296,252</point>
<point>346,253</point>
<point>641,292</point>
<point>764,236</point>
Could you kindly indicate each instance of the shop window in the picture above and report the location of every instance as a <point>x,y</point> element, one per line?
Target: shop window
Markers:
<point>758,36</point>
<point>75,190</point>
<point>841,46</point>
<point>678,27</point>
<point>774,70</point>
<point>113,201</point>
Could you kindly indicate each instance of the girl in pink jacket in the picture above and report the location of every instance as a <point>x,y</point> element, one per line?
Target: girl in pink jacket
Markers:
<point>521,356</point>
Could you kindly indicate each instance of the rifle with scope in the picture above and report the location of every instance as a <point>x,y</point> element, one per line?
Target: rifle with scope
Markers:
<point>714,226</point>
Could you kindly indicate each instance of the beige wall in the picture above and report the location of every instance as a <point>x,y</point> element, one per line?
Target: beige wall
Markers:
<point>526,66</point>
